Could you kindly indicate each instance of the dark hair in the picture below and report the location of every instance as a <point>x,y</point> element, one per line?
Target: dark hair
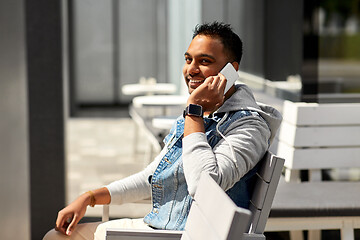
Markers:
<point>230,40</point>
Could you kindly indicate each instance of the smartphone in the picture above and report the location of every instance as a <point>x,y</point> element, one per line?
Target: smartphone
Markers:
<point>230,74</point>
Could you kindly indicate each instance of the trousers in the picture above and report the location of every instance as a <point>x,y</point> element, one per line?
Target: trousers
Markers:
<point>97,230</point>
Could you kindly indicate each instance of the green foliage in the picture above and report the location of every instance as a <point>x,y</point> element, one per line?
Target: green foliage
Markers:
<point>341,46</point>
<point>343,7</point>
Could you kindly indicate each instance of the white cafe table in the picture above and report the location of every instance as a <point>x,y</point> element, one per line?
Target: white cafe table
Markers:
<point>164,123</point>
<point>147,105</point>
<point>148,89</point>
<point>160,101</point>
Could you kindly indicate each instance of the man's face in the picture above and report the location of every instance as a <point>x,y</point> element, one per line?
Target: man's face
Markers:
<point>205,57</point>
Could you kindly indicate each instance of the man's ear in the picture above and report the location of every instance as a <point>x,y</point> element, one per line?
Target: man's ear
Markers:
<point>235,65</point>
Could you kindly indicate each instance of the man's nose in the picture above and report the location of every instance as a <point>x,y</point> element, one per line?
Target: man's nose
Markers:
<point>193,68</point>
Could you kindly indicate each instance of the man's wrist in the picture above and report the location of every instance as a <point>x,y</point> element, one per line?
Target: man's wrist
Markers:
<point>194,110</point>
<point>90,198</point>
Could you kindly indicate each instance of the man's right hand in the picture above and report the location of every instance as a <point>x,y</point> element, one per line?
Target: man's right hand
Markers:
<point>69,217</point>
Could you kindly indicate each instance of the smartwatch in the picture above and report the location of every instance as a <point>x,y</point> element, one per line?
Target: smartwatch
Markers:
<point>194,110</point>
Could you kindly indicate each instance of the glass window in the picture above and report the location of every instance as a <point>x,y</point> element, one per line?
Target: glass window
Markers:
<point>339,46</point>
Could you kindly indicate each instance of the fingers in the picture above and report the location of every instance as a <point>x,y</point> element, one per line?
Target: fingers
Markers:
<point>208,81</point>
<point>216,82</point>
<point>223,82</point>
<point>213,82</point>
<point>219,84</point>
<point>72,225</point>
<point>62,222</point>
<point>210,94</point>
<point>66,223</point>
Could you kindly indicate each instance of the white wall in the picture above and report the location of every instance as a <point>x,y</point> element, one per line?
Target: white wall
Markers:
<point>183,17</point>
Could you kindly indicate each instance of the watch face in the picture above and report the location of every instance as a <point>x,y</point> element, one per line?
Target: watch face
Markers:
<point>194,109</point>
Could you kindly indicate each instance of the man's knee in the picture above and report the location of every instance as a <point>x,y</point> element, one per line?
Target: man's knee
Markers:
<point>54,235</point>
<point>84,231</point>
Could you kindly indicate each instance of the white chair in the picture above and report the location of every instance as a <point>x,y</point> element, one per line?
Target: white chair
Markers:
<point>268,176</point>
<point>213,215</point>
<point>317,138</point>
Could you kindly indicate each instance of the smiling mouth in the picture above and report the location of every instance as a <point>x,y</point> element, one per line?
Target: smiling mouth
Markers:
<point>196,81</point>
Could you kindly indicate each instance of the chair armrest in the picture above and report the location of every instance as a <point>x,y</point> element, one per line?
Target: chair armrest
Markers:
<point>253,236</point>
<point>137,234</point>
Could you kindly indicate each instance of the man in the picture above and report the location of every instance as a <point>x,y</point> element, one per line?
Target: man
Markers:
<point>225,135</point>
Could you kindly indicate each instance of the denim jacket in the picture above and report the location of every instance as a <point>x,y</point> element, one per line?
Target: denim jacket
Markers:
<point>170,198</point>
<point>175,172</point>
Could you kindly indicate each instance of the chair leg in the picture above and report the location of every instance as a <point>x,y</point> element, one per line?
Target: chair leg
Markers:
<point>148,154</point>
<point>136,138</point>
<point>315,175</point>
<point>292,175</point>
<point>314,235</point>
<point>296,235</point>
<point>347,231</point>
<point>105,215</point>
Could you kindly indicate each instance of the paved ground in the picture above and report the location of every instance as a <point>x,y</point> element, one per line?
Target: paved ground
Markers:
<point>101,150</point>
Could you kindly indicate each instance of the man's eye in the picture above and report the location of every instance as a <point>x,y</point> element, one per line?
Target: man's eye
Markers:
<point>205,61</point>
<point>188,60</point>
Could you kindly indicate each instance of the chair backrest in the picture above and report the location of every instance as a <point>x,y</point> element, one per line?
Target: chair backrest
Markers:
<point>319,136</point>
<point>213,215</point>
<point>316,136</point>
<point>264,190</point>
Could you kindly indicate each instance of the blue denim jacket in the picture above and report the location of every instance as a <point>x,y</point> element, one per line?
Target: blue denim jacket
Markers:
<point>170,198</point>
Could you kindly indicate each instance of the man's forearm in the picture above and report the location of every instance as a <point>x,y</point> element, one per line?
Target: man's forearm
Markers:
<point>101,196</point>
<point>193,124</point>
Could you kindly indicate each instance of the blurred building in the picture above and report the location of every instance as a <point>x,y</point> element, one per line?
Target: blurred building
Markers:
<point>313,41</point>
<point>59,56</point>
